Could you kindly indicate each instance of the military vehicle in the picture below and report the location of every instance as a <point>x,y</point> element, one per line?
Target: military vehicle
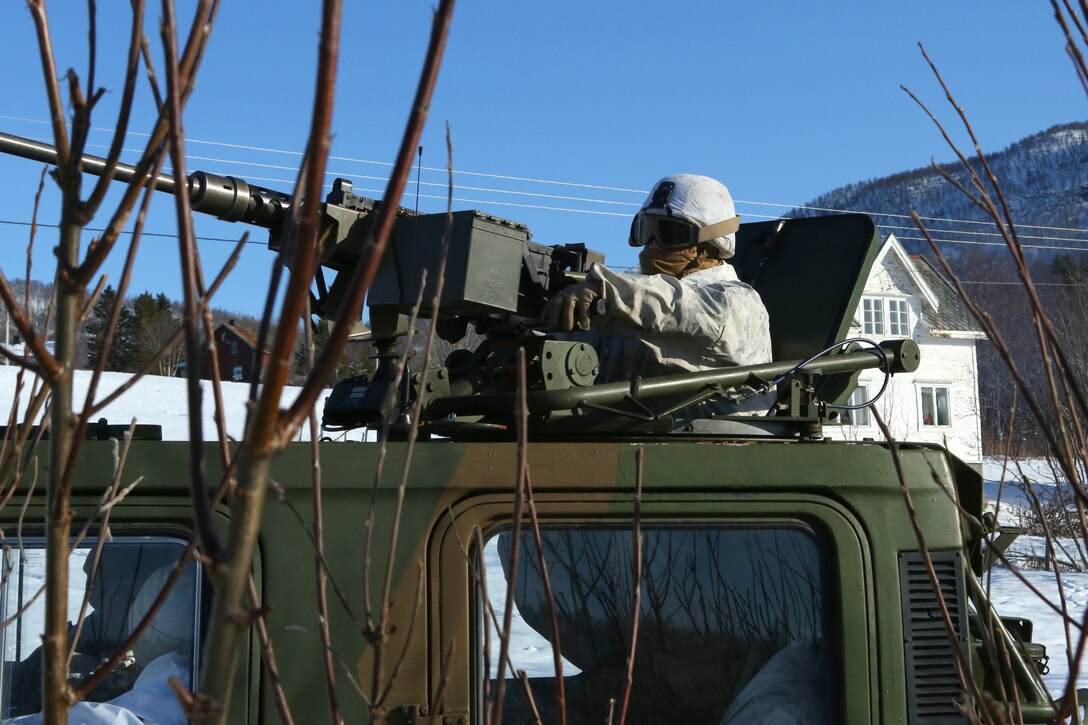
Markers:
<point>780,572</point>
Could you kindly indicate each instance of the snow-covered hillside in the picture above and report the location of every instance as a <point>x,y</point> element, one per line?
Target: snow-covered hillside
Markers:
<point>1044,178</point>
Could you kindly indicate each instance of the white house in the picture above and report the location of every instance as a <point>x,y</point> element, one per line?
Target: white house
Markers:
<point>907,297</point>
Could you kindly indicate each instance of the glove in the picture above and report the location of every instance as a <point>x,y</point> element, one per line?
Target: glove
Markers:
<point>569,310</point>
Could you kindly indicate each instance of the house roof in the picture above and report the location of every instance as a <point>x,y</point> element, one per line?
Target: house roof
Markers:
<point>892,246</point>
<point>951,315</point>
<point>246,336</point>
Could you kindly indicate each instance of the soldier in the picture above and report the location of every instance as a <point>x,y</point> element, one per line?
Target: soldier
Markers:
<point>687,311</point>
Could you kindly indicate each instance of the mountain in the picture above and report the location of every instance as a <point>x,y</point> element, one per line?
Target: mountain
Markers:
<point>1044,178</point>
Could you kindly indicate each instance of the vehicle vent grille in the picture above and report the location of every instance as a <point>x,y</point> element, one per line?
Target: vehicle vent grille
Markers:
<point>932,684</point>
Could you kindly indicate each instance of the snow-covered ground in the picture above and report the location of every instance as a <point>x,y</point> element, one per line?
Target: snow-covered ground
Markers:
<point>1012,597</point>
<point>156,400</point>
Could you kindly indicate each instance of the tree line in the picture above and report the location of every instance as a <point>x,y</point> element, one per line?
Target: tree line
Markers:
<point>1063,290</point>
<point>143,328</point>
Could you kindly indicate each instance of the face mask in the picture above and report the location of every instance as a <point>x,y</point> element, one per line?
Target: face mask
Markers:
<point>676,262</point>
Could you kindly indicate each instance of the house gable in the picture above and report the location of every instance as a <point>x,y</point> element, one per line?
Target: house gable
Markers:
<point>894,262</point>
<point>906,296</point>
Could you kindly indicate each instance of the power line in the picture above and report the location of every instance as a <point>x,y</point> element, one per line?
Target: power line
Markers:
<point>625,215</point>
<point>994,244</point>
<point>985,234</point>
<point>1034,284</point>
<point>1069,247</point>
<point>351,159</point>
<point>561,183</point>
<point>908,216</point>
<point>11,222</point>
<point>14,222</point>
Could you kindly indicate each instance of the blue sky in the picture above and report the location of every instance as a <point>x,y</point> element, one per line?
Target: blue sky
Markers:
<point>782,101</point>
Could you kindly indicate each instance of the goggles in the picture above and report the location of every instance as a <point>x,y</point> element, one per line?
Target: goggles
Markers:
<point>677,233</point>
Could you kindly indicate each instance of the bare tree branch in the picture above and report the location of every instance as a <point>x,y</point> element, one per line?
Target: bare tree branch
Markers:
<point>375,245</point>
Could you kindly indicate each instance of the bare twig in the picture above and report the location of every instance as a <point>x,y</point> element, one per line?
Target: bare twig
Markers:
<point>92,300</point>
<point>319,554</point>
<point>515,534</point>
<point>416,416</point>
<point>202,515</point>
<point>47,364</point>
<point>269,654</point>
<point>174,339</point>
<point>480,569</point>
<point>112,156</point>
<point>220,657</point>
<point>967,684</point>
<point>106,668</point>
<point>49,75</point>
<point>199,32</point>
<point>549,598</point>
<point>319,539</point>
<point>636,595</point>
<point>417,604</point>
<point>375,245</point>
<point>119,458</point>
<point>443,680</point>
<point>84,418</point>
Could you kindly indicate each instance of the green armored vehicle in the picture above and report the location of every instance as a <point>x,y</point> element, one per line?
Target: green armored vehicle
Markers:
<point>734,569</point>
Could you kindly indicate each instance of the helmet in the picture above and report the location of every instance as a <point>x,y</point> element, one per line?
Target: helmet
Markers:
<point>683,210</point>
<point>174,624</point>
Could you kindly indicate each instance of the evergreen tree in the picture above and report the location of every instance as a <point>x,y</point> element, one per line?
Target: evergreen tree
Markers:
<point>121,351</point>
<point>155,322</point>
<point>1068,270</point>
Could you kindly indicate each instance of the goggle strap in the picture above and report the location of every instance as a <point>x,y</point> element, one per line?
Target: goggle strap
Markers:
<point>713,231</point>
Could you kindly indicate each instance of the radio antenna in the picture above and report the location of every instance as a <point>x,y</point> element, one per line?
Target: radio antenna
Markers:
<point>419,163</point>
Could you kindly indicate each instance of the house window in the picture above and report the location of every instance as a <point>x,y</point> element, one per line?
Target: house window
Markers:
<point>860,416</point>
<point>236,376</point>
<point>897,318</point>
<point>872,320</point>
<point>233,347</point>
<point>935,405</point>
<point>880,316</point>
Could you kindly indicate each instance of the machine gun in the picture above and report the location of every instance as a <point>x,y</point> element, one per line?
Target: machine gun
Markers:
<point>497,279</point>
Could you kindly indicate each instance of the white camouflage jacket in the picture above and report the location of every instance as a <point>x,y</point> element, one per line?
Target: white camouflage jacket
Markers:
<point>708,319</point>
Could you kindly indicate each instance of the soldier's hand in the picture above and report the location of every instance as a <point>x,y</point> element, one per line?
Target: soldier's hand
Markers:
<point>569,310</point>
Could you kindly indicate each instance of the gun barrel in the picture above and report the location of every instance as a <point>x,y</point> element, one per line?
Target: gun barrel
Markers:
<point>902,356</point>
<point>226,197</point>
<point>37,151</point>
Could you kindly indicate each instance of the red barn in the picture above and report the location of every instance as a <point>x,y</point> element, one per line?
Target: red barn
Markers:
<point>236,350</point>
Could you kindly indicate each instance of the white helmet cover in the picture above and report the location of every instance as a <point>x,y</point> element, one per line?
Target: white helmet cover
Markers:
<point>174,624</point>
<point>697,199</point>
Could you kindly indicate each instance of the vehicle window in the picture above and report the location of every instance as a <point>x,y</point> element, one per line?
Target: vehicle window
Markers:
<point>732,624</point>
<point>129,576</point>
